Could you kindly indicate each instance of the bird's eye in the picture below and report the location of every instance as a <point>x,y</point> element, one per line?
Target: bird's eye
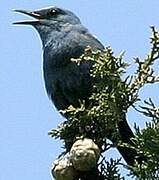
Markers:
<point>52,12</point>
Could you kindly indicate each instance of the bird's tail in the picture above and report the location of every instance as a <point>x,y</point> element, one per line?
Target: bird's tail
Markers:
<point>126,135</point>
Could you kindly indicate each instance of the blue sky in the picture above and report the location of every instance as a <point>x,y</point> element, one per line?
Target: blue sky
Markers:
<point>26,151</point>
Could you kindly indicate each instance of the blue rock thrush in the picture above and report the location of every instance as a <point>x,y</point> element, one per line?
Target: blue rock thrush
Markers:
<point>64,37</point>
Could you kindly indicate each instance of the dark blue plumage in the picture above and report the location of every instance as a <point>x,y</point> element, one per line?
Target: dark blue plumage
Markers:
<point>64,37</point>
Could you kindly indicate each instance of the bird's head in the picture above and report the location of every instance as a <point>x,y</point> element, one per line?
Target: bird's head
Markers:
<point>49,16</point>
<point>48,20</point>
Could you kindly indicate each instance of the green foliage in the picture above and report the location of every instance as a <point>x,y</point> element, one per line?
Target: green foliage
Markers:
<point>147,144</point>
<point>147,140</point>
<point>145,72</point>
<point>111,99</point>
<point>110,169</point>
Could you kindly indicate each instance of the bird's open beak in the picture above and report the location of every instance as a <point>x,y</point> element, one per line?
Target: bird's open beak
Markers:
<point>34,14</point>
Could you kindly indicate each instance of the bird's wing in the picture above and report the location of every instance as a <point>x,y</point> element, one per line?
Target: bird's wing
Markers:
<point>94,42</point>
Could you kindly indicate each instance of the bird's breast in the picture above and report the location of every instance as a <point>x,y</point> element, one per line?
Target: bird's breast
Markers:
<point>68,84</point>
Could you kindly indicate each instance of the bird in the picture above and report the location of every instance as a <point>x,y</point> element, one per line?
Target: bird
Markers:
<point>64,37</point>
